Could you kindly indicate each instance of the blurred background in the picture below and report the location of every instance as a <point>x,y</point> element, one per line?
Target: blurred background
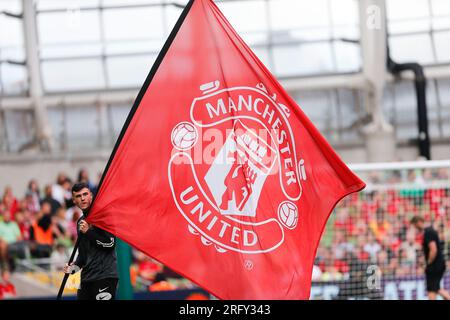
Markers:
<point>372,75</point>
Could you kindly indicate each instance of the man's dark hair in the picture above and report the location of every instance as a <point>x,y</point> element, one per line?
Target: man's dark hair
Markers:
<point>79,186</point>
<point>416,219</point>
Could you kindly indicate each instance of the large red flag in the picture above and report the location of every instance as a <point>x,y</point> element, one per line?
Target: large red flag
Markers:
<point>217,173</point>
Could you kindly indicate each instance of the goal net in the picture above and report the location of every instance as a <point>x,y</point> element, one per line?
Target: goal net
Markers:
<point>368,249</point>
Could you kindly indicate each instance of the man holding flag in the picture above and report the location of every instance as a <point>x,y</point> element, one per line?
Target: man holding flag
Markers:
<point>96,253</point>
<point>226,177</point>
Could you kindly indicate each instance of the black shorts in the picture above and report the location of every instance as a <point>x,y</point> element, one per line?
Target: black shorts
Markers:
<point>433,278</point>
<point>104,289</point>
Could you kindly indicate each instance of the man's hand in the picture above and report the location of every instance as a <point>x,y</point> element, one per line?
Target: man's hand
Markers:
<point>84,226</point>
<point>71,269</point>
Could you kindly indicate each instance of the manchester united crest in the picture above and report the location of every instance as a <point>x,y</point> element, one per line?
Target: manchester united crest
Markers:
<point>241,193</point>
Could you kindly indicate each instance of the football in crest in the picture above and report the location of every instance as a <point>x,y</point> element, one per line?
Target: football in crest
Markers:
<point>184,136</point>
<point>288,214</point>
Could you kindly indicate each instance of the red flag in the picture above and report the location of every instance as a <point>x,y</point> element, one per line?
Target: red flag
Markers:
<point>218,174</point>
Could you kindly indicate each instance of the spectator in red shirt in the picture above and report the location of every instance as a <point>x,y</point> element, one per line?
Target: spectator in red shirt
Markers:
<point>23,221</point>
<point>10,201</point>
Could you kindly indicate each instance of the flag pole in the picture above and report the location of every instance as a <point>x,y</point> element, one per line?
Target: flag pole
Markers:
<point>136,104</point>
<point>66,275</point>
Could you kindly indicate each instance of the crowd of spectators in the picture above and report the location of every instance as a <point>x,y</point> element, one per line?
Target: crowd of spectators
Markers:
<point>42,226</point>
<point>372,227</point>
<point>39,225</point>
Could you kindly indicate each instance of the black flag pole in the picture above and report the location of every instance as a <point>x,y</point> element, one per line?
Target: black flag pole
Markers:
<point>66,275</point>
<point>136,104</point>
